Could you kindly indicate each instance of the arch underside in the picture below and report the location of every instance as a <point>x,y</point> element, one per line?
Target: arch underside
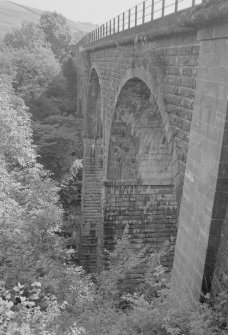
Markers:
<point>93,123</point>
<point>138,147</point>
<point>139,190</point>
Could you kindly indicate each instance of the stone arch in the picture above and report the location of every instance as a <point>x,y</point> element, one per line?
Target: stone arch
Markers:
<point>93,122</point>
<point>156,90</point>
<point>139,190</point>
<point>154,83</point>
<point>138,146</point>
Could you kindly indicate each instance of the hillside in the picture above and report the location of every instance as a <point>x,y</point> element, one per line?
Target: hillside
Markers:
<point>13,14</point>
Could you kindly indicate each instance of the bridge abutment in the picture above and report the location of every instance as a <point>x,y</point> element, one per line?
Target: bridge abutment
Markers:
<point>204,200</point>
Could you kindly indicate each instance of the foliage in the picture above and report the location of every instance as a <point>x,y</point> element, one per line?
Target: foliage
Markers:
<point>59,141</point>
<point>48,91</point>
<point>29,36</point>
<point>57,32</point>
<point>121,260</point>
<point>34,72</point>
<point>31,72</point>
<point>6,66</point>
<point>28,311</point>
<point>30,248</point>
<point>29,213</point>
<point>42,292</point>
<point>207,318</point>
<point>148,312</point>
<point>71,200</point>
<point>69,73</point>
<point>115,311</point>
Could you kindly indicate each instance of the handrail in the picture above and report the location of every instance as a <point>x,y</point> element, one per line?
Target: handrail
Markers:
<point>143,12</point>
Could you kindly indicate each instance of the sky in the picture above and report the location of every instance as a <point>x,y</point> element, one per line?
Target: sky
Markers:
<point>94,11</point>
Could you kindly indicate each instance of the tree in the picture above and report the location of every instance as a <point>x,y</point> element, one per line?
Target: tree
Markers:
<point>57,32</point>
<point>35,70</point>
<point>47,88</point>
<point>32,252</point>
<point>31,72</point>
<point>29,36</point>
<point>29,212</point>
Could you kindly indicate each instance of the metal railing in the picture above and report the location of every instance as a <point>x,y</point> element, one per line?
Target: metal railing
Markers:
<point>146,11</point>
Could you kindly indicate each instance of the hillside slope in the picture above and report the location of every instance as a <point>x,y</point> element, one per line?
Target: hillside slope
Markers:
<point>13,14</point>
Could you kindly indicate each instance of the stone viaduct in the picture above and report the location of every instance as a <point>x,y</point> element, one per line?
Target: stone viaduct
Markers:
<point>154,100</point>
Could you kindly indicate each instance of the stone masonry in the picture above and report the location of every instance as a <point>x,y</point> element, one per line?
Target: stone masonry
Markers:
<point>154,100</point>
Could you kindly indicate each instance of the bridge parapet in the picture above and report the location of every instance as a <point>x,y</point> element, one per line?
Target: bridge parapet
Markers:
<point>142,13</point>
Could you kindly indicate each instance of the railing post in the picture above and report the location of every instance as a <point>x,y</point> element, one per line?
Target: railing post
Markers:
<point>143,12</point>
<point>118,23</point>
<point>163,8</point>
<point>103,30</point>
<point>129,19</point>
<point>176,5</point>
<point>123,20</point>
<point>152,10</point>
<point>193,3</point>
<point>136,12</point>
<point>114,26</point>
<point>110,27</point>
<point>106,28</point>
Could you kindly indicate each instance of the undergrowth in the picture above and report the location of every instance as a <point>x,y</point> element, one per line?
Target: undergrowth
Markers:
<point>107,307</point>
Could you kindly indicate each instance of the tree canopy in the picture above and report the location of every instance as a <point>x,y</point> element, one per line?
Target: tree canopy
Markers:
<point>29,36</point>
<point>47,87</point>
<point>57,32</point>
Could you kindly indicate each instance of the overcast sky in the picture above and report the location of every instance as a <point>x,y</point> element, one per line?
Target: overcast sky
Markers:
<point>94,11</point>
